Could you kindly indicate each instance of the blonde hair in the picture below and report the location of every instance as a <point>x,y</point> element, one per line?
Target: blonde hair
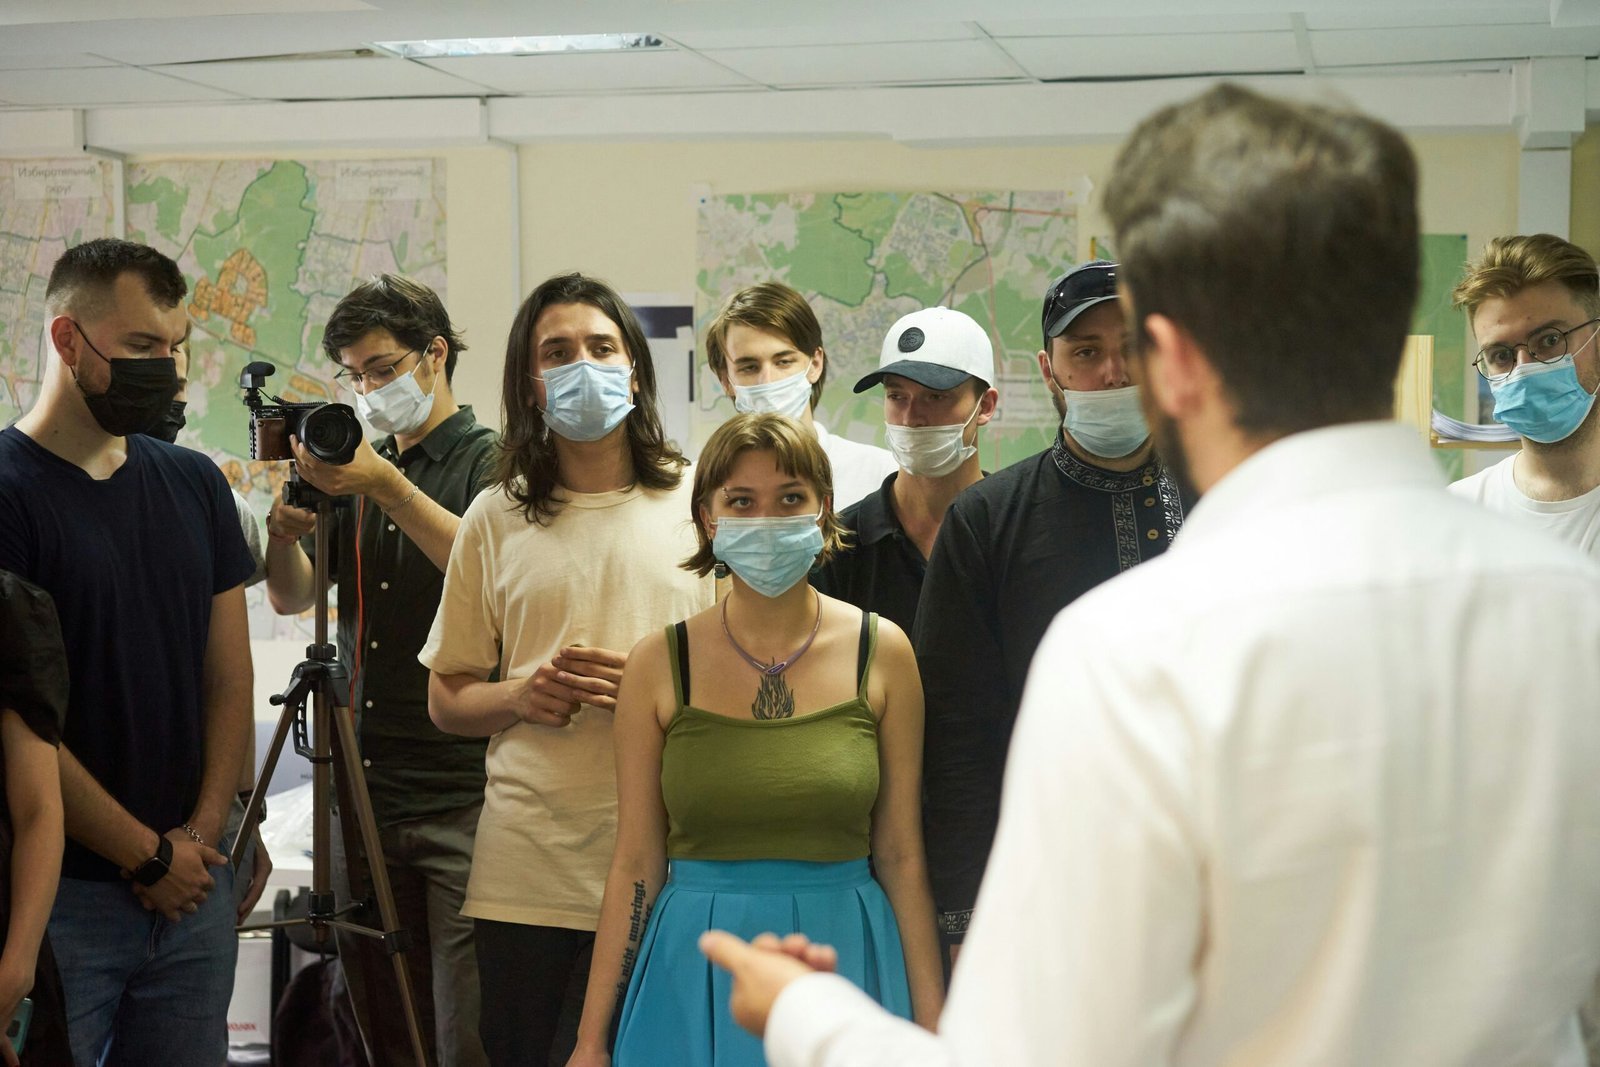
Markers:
<point>798,454</point>
<point>771,307</point>
<point>1511,264</point>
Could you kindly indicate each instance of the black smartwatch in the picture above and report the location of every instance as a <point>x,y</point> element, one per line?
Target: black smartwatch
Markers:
<point>156,867</point>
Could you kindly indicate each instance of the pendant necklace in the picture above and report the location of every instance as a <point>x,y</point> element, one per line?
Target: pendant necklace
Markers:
<point>774,698</point>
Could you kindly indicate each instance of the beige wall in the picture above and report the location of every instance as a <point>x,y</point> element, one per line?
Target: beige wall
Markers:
<point>626,212</point>
<point>1585,230</point>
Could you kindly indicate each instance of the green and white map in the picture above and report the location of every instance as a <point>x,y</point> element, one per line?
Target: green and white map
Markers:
<point>865,259</point>
<point>268,248</point>
<point>46,206</point>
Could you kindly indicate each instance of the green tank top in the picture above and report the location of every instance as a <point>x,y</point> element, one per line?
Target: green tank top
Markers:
<point>759,789</point>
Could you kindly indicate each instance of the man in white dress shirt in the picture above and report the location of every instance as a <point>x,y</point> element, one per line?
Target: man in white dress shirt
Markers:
<point>1316,785</point>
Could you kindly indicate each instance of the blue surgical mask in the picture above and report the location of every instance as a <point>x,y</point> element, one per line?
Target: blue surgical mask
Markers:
<point>768,554</point>
<point>1543,402</point>
<point>1108,423</point>
<point>584,400</point>
<point>789,396</point>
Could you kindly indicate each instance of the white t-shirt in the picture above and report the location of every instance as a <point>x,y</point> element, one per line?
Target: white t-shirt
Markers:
<point>604,572</point>
<point>858,469</point>
<point>1575,521</point>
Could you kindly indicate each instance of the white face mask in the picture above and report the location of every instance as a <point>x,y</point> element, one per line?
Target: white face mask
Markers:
<point>1107,422</point>
<point>931,451</point>
<point>400,407</point>
<point>789,396</point>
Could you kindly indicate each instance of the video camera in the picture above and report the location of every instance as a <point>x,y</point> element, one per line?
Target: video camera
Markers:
<point>330,432</point>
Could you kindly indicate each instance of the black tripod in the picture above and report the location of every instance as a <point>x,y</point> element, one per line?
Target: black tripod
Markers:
<point>321,676</point>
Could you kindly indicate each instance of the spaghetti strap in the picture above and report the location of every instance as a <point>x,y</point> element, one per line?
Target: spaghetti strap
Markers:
<point>678,654</point>
<point>865,650</point>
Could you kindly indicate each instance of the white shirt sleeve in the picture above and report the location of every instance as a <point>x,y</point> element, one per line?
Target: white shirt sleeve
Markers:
<point>1089,922</point>
<point>823,1020</point>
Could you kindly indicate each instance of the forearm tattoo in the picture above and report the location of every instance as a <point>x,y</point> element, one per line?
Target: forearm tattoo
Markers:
<point>638,920</point>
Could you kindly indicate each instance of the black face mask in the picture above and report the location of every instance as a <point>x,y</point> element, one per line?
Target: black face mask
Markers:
<point>138,396</point>
<point>171,423</point>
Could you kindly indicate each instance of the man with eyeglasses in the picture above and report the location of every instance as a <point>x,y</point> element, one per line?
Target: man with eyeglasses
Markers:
<point>1534,306</point>
<point>390,541</point>
<point>1016,548</point>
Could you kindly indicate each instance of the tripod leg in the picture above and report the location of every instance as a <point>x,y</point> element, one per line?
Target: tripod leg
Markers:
<point>252,811</point>
<point>349,762</point>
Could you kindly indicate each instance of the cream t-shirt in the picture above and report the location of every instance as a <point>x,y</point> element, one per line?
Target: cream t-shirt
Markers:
<point>604,572</point>
<point>1575,521</point>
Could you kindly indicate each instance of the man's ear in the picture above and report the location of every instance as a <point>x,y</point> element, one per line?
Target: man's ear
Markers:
<point>819,360</point>
<point>987,404</point>
<point>1174,370</point>
<point>64,338</point>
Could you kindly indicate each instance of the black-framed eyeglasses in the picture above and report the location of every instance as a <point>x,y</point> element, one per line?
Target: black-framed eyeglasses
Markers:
<point>1496,362</point>
<point>378,377</point>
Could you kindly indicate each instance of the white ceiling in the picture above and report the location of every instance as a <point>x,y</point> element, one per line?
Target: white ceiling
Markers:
<point>65,53</point>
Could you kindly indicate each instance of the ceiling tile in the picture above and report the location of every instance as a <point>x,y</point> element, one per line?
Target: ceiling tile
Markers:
<point>798,36</point>
<point>84,86</point>
<point>1441,44</point>
<point>325,79</point>
<point>22,12</point>
<point>870,64</point>
<point>1403,16</point>
<point>591,72</point>
<point>36,61</point>
<point>1135,26</point>
<point>1150,55</point>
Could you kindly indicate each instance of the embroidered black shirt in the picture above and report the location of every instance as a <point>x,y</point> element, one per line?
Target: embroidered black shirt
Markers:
<point>1013,550</point>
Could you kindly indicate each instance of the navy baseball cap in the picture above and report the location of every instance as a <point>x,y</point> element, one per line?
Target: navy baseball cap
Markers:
<point>1075,292</point>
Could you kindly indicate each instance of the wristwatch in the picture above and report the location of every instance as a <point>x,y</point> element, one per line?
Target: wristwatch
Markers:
<point>156,867</point>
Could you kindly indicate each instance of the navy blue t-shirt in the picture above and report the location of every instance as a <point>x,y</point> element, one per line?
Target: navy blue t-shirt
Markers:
<point>132,563</point>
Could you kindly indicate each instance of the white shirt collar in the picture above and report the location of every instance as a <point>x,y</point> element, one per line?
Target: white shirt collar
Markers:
<point>1311,464</point>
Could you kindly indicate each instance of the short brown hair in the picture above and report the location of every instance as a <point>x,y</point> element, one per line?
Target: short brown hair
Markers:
<point>798,453</point>
<point>82,280</point>
<point>775,308</point>
<point>410,311</point>
<point>1511,264</point>
<point>1283,238</point>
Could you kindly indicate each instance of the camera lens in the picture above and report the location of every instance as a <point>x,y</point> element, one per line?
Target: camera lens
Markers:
<point>331,432</point>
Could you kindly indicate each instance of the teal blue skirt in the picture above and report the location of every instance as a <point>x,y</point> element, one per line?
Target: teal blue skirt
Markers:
<point>676,1010</point>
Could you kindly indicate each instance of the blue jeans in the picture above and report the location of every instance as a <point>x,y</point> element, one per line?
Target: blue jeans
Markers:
<point>141,990</point>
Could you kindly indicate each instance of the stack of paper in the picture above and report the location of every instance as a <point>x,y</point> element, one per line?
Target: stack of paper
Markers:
<point>1450,429</point>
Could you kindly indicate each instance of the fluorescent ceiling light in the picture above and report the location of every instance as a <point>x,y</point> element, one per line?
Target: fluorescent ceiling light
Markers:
<point>521,46</point>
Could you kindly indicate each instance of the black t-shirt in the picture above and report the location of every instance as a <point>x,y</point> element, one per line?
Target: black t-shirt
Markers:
<point>33,663</point>
<point>132,562</point>
<point>882,569</point>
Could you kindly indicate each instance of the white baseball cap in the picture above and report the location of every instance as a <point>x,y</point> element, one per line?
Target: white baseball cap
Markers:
<point>937,347</point>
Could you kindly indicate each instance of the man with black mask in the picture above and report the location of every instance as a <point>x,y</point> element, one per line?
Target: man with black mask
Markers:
<point>138,543</point>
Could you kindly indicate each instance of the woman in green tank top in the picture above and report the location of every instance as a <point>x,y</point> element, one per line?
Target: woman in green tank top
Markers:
<point>767,749</point>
